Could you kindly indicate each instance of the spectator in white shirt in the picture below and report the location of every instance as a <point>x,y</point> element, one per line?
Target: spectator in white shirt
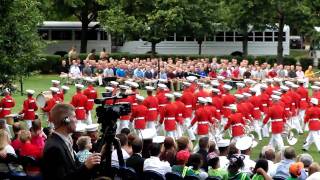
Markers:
<point>244,145</point>
<point>154,163</point>
<point>124,148</point>
<point>75,70</point>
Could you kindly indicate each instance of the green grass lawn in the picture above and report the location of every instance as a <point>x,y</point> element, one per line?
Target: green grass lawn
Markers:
<point>41,83</point>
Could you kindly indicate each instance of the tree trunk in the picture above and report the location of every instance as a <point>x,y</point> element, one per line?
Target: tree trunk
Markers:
<point>200,47</point>
<point>280,40</point>
<point>245,42</point>
<point>21,85</point>
<point>153,48</point>
<point>84,39</point>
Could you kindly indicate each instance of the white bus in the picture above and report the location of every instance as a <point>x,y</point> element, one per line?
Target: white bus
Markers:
<point>66,34</point>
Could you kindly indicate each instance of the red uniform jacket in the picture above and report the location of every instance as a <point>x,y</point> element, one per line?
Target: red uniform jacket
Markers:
<point>200,93</point>
<point>295,104</point>
<point>187,99</point>
<point>287,100</point>
<point>227,99</point>
<point>236,121</point>
<point>79,101</point>
<point>303,92</point>
<point>244,110</point>
<point>217,102</point>
<point>162,100</point>
<point>91,94</point>
<point>61,95</point>
<point>312,116</point>
<point>151,103</point>
<point>265,101</point>
<point>269,90</point>
<point>139,114</point>
<point>29,108</point>
<point>215,115</point>
<point>203,117</point>
<point>50,103</point>
<point>256,102</point>
<point>6,104</point>
<point>277,115</point>
<point>181,108</point>
<point>168,115</point>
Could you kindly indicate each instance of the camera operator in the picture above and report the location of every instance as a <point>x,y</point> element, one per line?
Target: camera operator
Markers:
<point>59,160</point>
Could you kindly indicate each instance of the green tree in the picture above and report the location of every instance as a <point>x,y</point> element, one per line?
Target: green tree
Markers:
<point>20,44</point>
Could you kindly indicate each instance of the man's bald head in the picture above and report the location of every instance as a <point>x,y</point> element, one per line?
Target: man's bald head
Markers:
<point>60,112</point>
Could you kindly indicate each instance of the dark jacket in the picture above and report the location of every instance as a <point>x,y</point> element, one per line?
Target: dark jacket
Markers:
<point>204,154</point>
<point>136,162</point>
<point>58,164</point>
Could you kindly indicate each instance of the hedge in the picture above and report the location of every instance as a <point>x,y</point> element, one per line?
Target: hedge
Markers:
<point>51,63</point>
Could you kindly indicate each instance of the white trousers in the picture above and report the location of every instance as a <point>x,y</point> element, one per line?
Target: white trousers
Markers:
<point>123,124</point>
<point>265,128</point>
<point>179,131</point>
<point>171,134</point>
<point>235,139</point>
<point>296,123</point>
<point>276,141</point>
<point>29,123</point>
<point>151,125</point>
<point>257,128</point>
<point>301,117</point>
<point>190,131</point>
<point>313,137</point>
<point>89,118</point>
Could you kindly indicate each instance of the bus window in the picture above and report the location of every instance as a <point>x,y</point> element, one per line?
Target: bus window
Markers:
<point>61,35</point>
<point>238,36</point>
<point>103,35</point>
<point>268,36</point>
<point>44,34</point>
<point>209,38</point>
<point>170,37</point>
<point>92,35</point>
<point>180,37</point>
<point>189,38</point>
<point>229,36</point>
<point>250,36</point>
<point>220,36</point>
<point>258,36</point>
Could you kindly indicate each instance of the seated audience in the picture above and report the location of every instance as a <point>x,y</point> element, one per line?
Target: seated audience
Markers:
<point>5,147</point>
<point>235,166</point>
<point>169,152</point>
<point>260,170</point>
<point>28,149</point>
<point>37,135</point>
<point>124,145</point>
<point>180,167</point>
<point>84,147</point>
<point>136,160</point>
<point>214,169</point>
<point>203,151</point>
<point>295,171</point>
<point>195,162</point>
<point>282,170</point>
<point>154,163</point>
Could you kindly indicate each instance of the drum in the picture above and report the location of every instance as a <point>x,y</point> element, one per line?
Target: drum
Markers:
<point>42,98</point>
<point>10,118</point>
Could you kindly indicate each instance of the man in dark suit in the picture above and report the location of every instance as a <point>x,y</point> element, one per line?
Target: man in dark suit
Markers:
<point>136,161</point>
<point>203,151</point>
<point>59,161</point>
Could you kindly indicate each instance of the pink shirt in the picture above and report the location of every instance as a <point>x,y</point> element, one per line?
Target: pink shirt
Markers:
<point>38,140</point>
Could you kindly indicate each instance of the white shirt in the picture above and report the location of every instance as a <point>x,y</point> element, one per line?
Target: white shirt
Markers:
<point>314,176</point>
<point>224,162</point>
<point>300,74</point>
<point>154,164</point>
<point>248,165</point>
<point>271,167</point>
<point>114,157</point>
<point>9,149</point>
<point>75,71</point>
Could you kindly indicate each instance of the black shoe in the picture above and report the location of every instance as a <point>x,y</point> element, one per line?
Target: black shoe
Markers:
<point>305,150</point>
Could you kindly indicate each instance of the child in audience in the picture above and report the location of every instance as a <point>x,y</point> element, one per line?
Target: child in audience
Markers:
<point>84,145</point>
<point>195,162</point>
<point>214,169</point>
<point>181,161</point>
<point>37,135</point>
<point>235,165</point>
<point>260,170</point>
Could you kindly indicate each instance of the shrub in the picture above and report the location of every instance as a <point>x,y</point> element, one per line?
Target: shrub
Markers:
<point>48,64</point>
<point>306,62</point>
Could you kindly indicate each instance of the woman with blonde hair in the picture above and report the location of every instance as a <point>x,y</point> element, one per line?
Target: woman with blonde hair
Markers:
<point>5,147</point>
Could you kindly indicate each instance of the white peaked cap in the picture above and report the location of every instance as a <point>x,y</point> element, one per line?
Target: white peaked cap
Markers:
<point>263,86</point>
<point>158,139</point>
<point>79,86</point>
<point>220,77</point>
<point>285,88</point>
<point>277,79</point>
<point>54,89</point>
<point>209,99</point>
<point>108,88</point>
<point>177,94</point>
<point>239,96</point>
<point>127,82</point>
<point>215,90</point>
<point>223,143</point>
<point>314,101</point>
<point>300,80</point>
<point>123,87</point>
<point>215,83</point>
<point>244,143</point>
<point>228,87</point>
<point>201,84</point>
<point>147,134</point>
<point>65,87</point>
<point>149,88</point>
<point>246,94</point>
<point>81,127</point>
<point>163,80</point>
<point>253,90</point>
<point>140,98</point>
<point>92,127</point>
<point>269,80</point>
<point>240,84</point>
<point>55,81</point>
<point>134,84</point>
<point>275,97</point>
<point>202,100</point>
<point>294,85</point>
<point>30,91</point>
<point>288,83</point>
<point>191,78</point>
<point>232,107</point>
<point>186,83</point>
<point>89,79</point>
<point>169,95</point>
<point>114,83</point>
<point>315,87</point>
<point>162,86</point>
<point>317,83</point>
<point>277,93</point>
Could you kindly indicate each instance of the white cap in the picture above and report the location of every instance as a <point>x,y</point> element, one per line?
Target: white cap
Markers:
<point>275,97</point>
<point>127,82</point>
<point>162,86</point>
<point>81,127</point>
<point>114,83</point>
<point>215,83</point>
<point>220,77</point>
<point>123,87</point>
<point>149,88</point>
<point>201,84</point>
<point>65,87</point>
<point>239,96</point>
<point>285,88</point>
<point>239,84</point>
<point>277,80</point>
<point>288,83</point>
<point>233,107</point>
<point>315,87</point>
<point>191,78</point>
<point>139,98</point>
<point>244,143</point>
<point>30,91</point>
<point>55,81</point>
<point>54,89</point>
<point>227,87</point>
<point>314,101</point>
<point>317,83</point>
<point>276,93</point>
<point>158,139</point>
<point>186,83</point>
<point>147,133</point>
<point>108,88</point>
<point>263,86</point>
<point>89,79</point>
<point>202,100</point>
<point>253,90</point>
<point>177,94</point>
<point>92,127</point>
<point>294,85</point>
<point>246,94</point>
<point>300,80</point>
<point>209,99</point>
<point>215,90</point>
<point>169,95</point>
<point>163,80</point>
<point>269,80</point>
<point>223,143</point>
<point>79,86</point>
<point>134,84</point>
